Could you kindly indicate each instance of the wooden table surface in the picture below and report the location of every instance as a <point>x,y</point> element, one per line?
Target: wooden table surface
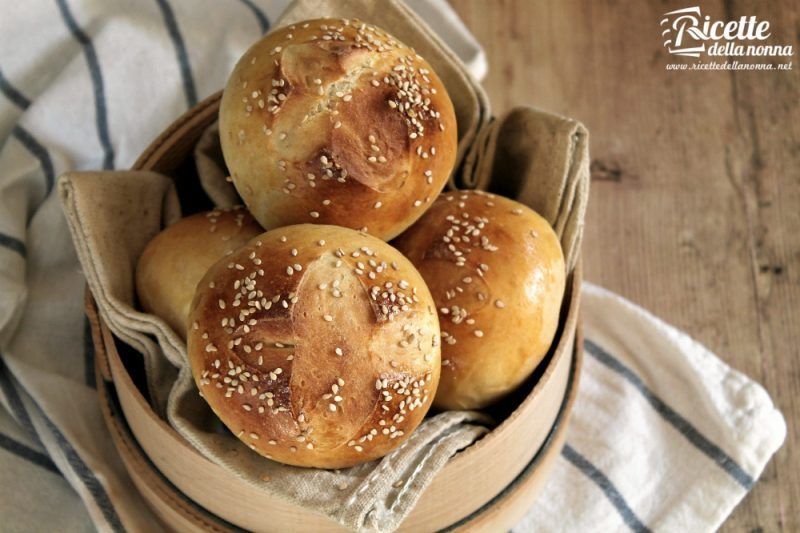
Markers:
<point>695,201</point>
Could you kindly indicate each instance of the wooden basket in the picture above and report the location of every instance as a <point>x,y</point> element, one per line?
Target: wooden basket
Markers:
<point>488,486</point>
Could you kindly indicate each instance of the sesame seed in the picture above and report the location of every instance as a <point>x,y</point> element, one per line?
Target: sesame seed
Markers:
<point>377,205</point>
<point>327,318</point>
<point>339,351</point>
<point>478,333</point>
<point>499,304</point>
<point>314,214</point>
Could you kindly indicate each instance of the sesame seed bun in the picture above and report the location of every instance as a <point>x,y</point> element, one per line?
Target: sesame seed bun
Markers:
<point>316,345</point>
<point>176,259</point>
<point>336,122</point>
<point>496,272</point>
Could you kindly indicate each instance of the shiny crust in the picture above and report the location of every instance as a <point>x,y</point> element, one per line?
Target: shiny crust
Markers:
<point>314,366</point>
<point>335,122</point>
<point>496,272</point>
<point>176,259</point>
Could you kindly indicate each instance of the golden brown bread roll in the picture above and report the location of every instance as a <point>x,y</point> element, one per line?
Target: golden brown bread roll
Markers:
<point>496,272</point>
<point>177,259</point>
<point>316,345</point>
<point>336,122</point>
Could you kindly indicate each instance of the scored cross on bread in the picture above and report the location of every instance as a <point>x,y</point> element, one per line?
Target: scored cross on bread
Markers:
<point>316,345</point>
<point>335,121</point>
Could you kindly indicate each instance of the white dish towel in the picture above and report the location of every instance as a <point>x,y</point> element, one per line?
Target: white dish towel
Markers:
<point>664,435</point>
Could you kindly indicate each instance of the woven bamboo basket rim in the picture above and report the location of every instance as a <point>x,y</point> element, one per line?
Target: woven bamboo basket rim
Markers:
<point>535,414</point>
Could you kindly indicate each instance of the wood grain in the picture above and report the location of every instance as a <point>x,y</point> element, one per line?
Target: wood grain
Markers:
<point>695,208</point>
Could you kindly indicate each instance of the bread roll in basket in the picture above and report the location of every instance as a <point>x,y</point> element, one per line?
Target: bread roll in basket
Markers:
<point>496,272</point>
<point>336,122</point>
<point>343,361</point>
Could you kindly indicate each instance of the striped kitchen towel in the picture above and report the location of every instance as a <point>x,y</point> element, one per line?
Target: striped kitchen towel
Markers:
<point>664,435</point>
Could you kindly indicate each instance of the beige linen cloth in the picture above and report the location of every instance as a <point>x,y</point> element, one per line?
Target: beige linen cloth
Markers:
<point>539,158</point>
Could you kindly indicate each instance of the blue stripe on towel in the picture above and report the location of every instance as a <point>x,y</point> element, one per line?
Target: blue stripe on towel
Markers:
<point>13,244</point>
<point>714,452</point>
<point>25,137</point>
<point>97,83</point>
<point>29,454</point>
<point>12,93</point>
<point>263,21</point>
<point>87,477</point>
<point>39,152</point>
<point>599,478</point>
<point>14,401</point>
<point>180,50</point>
